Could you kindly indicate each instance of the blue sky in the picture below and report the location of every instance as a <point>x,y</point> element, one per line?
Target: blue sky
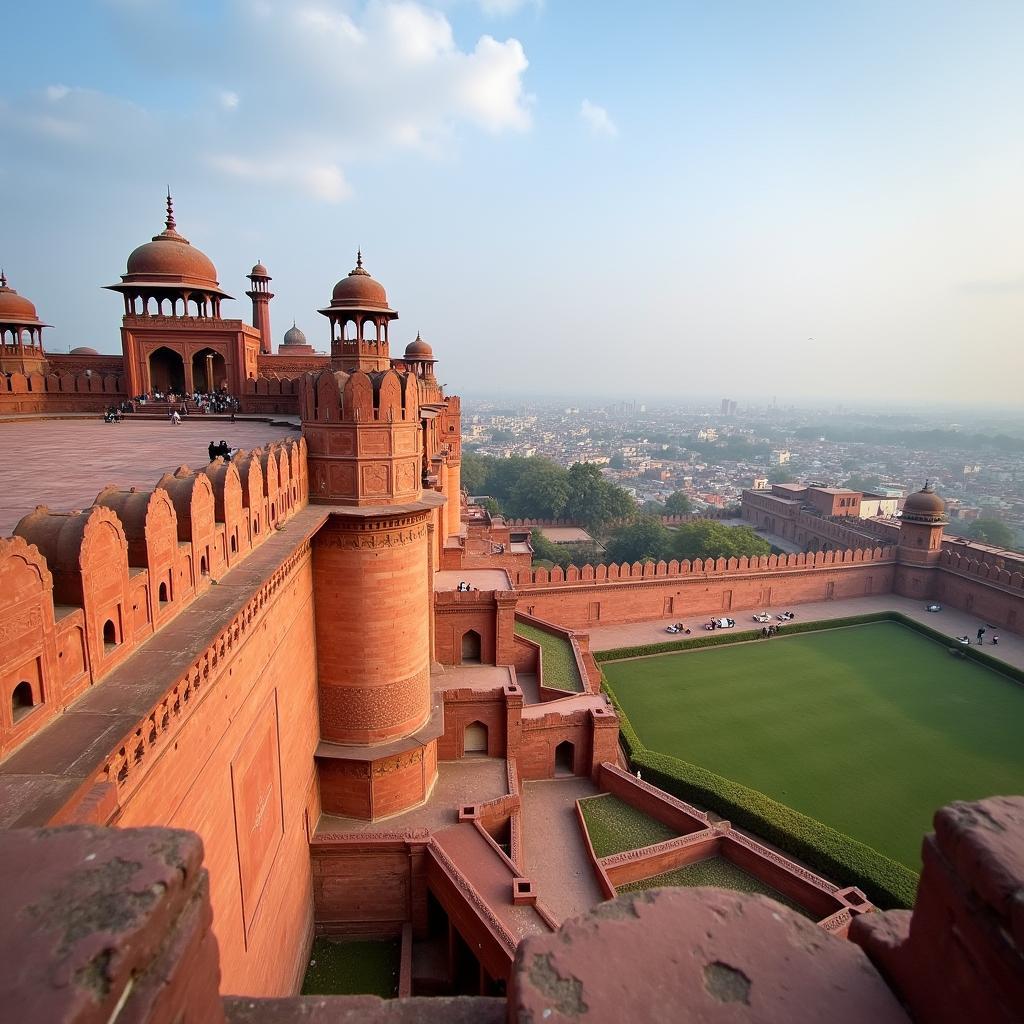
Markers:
<point>564,197</point>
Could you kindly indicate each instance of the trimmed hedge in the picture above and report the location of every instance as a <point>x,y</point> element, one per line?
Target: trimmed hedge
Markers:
<point>886,883</point>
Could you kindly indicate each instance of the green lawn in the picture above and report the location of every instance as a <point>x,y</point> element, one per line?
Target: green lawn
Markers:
<point>614,826</point>
<point>717,872</point>
<point>560,671</point>
<point>869,729</point>
<point>353,968</point>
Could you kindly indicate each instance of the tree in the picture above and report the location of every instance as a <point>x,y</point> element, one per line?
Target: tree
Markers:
<point>646,540</point>
<point>652,508</point>
<point>476,472</point>
<point>618,461</point>
<point>593,501</point>
<point>678,504</point>
<point>862,483</point>
<point>781,476</point>
<point>502,436</point>
<point>705,538</point>
<point>991,531</point>
<point>544,550</point>
<point>541,491</point>
<point>492,506</point>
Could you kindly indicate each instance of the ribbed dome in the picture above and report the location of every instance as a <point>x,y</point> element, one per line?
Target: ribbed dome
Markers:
<point>83,350</point>
<point>15,307</point>
<point>924,505</point>
<point>359,290</point>
<point>293,336</point>
<point>418,349</point>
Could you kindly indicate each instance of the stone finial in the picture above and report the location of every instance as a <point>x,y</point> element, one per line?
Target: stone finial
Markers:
<point>169,223</point>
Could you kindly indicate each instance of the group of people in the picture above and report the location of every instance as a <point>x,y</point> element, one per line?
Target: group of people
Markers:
<point>965,639</point>
<point>678,627</point>
<point>464,587</point>
<point>220,451</point>
<point>767,631</point>
<point>215,402</point>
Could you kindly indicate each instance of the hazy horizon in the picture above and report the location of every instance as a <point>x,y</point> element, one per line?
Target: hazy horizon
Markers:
<point>790,200</point>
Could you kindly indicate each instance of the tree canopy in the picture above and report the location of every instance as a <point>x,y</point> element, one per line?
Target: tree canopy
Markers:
<point>537,488</point>
<point>649,540</point>
<point>678,504</point>
<point>991,531</point>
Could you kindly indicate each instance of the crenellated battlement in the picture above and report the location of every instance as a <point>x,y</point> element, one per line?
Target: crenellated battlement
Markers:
<point>614,572</point>
<point>81,590</point>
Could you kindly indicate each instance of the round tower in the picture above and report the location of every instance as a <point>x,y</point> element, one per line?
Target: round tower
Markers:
<point>372,570</point>
<point>920,546</point>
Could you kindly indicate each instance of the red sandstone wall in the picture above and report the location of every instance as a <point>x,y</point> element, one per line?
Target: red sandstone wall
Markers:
<point>62,391</point>
<point>580,604</point>
<point>463,708</point>
<point>239,773</point>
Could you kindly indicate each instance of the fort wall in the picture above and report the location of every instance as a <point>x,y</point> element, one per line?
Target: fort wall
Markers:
<point>578,598</point>
<point>63,391</point>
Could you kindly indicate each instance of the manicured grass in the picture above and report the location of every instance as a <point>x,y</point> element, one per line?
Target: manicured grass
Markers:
<point>353,968</point>
<point>560,670</point>
<point>868,729</point>
<point>614,826</point>
<point>717,872</point>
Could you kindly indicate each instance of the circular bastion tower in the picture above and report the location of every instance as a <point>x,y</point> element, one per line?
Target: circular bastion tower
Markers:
<point>920,546</point>
<point>371,565</point>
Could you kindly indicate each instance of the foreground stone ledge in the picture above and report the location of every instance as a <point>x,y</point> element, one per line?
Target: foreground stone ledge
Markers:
<point>960,955</point>
<point>100,924</point>
<point>365,1010</point>
<point>696,955</point>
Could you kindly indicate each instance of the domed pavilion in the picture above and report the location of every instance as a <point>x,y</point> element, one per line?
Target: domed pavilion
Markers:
<point>21,332</point>
<point>174,339</point>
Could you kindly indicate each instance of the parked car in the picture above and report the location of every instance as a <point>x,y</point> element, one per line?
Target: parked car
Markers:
<point>763,617</point>
<point>933,608</point>
<point>720,624</point>
<point>786,616</point>
<point>677,627</point>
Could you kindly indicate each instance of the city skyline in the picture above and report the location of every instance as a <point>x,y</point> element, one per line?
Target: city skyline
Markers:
<point>748,195</point>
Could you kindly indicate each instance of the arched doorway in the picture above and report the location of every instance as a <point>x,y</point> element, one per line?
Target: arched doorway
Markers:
<point>471,647</point>
<point>22,701</point>
<point>475,739</point>
<point>209,371</point>
<point>167,371</point>
<point>565,758</point>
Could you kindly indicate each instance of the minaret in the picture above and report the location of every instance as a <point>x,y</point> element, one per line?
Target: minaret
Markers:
<point>261,295</point>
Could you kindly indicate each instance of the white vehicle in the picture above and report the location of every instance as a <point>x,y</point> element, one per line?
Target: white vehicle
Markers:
<point>720,624</point>
<point>763,617</point>
<point>933,608</point>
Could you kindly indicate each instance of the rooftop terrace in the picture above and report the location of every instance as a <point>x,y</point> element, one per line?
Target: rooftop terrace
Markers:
<point>65,463</point>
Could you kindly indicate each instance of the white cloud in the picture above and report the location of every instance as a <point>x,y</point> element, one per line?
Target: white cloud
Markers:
<point>598,120</point>
<point>324,181</point>
<point>503,8</point>
<point>328,85</point>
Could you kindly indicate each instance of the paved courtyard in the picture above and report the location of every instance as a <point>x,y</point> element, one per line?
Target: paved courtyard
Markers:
<point>66,463</point>
<point>950,621</point>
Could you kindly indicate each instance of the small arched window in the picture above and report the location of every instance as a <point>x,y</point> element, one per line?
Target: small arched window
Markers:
<point>22,701</point>
<point>110,633</point>
<point>204,569</point>
<point>162,593</point>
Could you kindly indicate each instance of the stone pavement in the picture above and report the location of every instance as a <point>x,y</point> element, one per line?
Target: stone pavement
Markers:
<point>556,857</point>
<point>950,621</point>
<point>66,463</point>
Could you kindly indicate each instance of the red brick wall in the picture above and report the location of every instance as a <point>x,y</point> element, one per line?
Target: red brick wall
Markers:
<point>239,773</point>
<point>462,708</point>
<point>583,604</point>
